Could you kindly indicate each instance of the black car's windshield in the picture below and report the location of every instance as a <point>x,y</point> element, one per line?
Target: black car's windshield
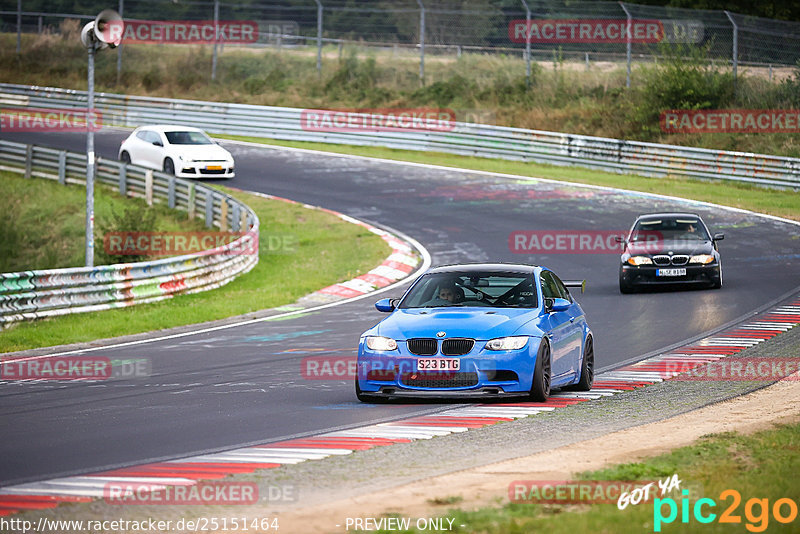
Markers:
<point>669,229</point>
<point>493,289</point>
<point>188,138</point>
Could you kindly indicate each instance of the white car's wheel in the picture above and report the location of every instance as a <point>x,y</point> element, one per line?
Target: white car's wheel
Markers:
<point>169,166</point>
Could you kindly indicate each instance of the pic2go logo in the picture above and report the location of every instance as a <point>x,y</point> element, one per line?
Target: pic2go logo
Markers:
<point>756,511</point>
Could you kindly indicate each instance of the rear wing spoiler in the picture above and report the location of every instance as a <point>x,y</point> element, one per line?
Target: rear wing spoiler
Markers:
<point>576,283</point>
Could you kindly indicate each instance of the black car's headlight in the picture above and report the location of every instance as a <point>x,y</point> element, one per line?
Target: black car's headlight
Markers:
<point>507,343</point>
<point>705,259</point>
<point>380,343</point>
<point>639,260</point>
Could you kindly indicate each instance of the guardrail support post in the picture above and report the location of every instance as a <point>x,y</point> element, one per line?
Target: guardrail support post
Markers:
<point>223,214</point>
<point>237,216</point>
<point>148,187</point>
<point>123,179</point>
<point>171,192</point>
<point>28,161</point>
<point>190,207</point>
<point>209,208</point>
<point>62,167</point>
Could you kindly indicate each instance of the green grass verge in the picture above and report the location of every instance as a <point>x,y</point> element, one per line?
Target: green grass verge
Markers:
<point>324,250</point>
<point>758,466</point>
<point>49,233</point>
<point>781,203</point>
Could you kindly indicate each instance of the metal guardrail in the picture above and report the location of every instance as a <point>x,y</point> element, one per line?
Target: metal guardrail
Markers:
<point>614,155</point>
<point>51,292</point>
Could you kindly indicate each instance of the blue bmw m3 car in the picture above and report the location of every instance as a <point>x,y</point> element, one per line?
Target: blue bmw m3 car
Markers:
<point>478,330</point>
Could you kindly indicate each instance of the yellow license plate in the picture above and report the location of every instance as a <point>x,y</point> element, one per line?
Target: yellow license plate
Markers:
<point>214,168</point>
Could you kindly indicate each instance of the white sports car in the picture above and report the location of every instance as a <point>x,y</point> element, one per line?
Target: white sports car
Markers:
<point>180,150</point>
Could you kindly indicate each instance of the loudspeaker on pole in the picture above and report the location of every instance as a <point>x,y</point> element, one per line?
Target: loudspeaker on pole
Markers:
<point>104,31</point>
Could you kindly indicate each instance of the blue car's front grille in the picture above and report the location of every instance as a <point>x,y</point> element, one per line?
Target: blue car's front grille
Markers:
<point>439,379</point>
<point>428,346</point>
<point>423,346</point>
<point>457,346</point>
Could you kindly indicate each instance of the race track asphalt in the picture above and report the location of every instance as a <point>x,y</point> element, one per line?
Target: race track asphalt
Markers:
<point>243,385</point>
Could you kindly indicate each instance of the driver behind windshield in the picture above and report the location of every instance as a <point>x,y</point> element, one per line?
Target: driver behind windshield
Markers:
<point>449,292</point>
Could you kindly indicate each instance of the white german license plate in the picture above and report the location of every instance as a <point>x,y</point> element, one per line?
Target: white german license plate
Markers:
<point>438,364</point>
<point>671,272</point>
<point>214,168</point>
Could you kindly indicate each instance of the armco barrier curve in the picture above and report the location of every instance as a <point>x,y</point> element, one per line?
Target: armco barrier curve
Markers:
<point>47,293</point>
<point>614,155</point>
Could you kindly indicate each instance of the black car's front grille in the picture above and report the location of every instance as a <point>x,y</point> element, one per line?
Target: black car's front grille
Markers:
<point>662,259</point>
<point>457,346</point>
<point>423,346</point>
<point>439,379</point>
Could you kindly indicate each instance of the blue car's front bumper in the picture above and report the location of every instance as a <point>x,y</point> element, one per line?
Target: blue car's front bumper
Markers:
<point>482,373</point>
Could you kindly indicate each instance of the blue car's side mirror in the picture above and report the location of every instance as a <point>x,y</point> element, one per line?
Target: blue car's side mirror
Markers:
<point>385,305</point>
<point>560,305</point>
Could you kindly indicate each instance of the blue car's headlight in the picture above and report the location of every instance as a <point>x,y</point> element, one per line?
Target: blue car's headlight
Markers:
<point>381,343</point>
<point>507,343</point>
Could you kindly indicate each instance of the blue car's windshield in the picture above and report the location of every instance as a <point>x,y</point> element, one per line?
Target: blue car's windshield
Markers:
<point>504,290</point>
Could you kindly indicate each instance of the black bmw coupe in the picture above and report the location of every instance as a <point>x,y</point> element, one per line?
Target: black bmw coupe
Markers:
<point>669,248</point>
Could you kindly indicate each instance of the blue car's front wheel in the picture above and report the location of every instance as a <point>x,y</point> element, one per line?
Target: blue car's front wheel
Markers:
<point>540,387</point>
<point>587,368</point>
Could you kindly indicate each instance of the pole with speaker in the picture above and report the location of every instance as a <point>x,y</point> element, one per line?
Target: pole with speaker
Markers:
<point>103,32</point>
